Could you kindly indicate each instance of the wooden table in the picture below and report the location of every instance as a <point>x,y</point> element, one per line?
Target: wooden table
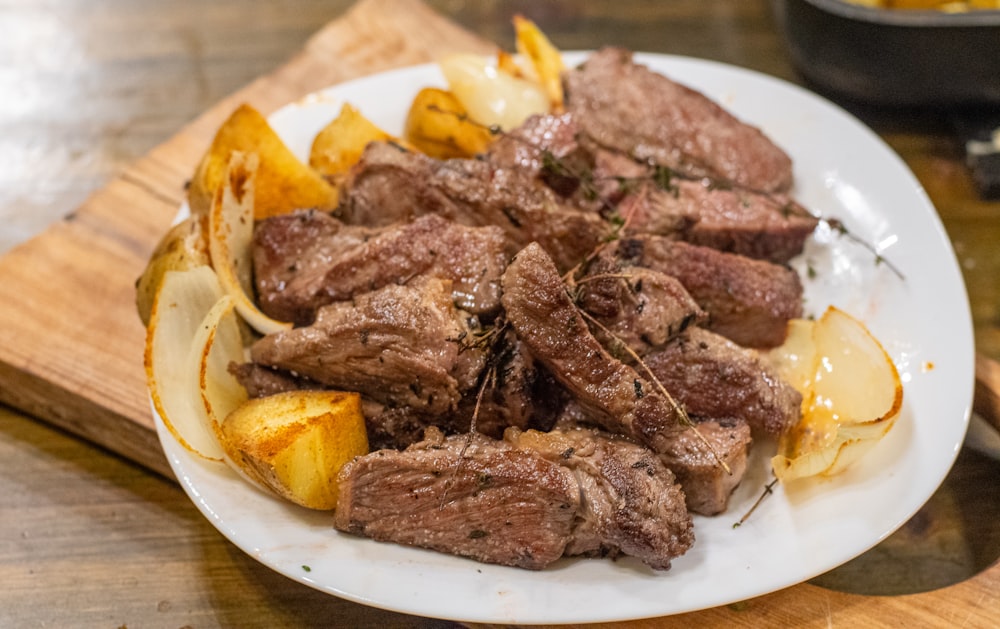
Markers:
<point>90,539</point>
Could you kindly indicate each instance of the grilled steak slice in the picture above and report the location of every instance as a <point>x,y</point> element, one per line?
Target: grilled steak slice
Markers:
<point>541,138</point>
<point>748,301</point>
<point>261,381</point>
<point>389,185</point>
<point>629,108</point>
<point>707,486</point>
<point>398,345</point>
<point>549,324</point>
<point>639,307</point>
<point>766,227</point>
<point>293,250</point>
<point>295,277</point>
<point>715,378</point>
<point>466,495</point>
<point>630,502</point>
<point>693,459</point>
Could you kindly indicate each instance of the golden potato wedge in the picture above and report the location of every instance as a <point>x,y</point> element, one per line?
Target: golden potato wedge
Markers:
<point>184,247</point>
<point>284,183</point>
<point>339,145</point>
<point>438,125</point>
<point>545,59</point>
<point>295,443</point>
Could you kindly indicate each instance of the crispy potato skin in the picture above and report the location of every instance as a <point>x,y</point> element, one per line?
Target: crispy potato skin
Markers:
<point>438,125</point>
<point>295,443</point>
<point>339,145</point>
<point>284,183</point>
<point>182,248</point>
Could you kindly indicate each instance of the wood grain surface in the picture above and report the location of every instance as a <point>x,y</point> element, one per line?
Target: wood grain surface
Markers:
<point>70,340</point>
<point>85,528</point>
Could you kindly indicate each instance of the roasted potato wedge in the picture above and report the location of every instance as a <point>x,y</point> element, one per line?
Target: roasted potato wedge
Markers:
<point>184,247</point>
<point>438,125</point>
<point>545,59</point>
<point>339,145</point>
<point>284,183</point>
<point>295,443</point>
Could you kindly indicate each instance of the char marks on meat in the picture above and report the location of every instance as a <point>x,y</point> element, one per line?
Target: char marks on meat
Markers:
<point>389,185</point>
<point>398,345</point>
<point>629,108</point>
<point>295,277</point>
<point>748,301</point>
<point>467,495</point>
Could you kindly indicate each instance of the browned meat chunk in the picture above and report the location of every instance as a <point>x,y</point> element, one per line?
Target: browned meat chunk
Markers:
<point>707,485</point>
<point>542,138</point>
<point>547,321</point>
<point>626,107</point>
<point>639,307</point>
<point>293,250</point>
<point>765,227</point>
<point>467,495</point>
<point>516,390</point>
<point>308,259</point>
<point>389,185</point>
<point>715,378</point>
<point>261,381</point>
<point>748,301</point>
<point>630,502</point>
<point>399,345</point>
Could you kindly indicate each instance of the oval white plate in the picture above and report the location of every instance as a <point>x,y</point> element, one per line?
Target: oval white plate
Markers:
<point>842,170</point>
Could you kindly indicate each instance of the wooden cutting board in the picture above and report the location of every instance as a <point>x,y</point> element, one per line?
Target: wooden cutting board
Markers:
<point>71,343</point>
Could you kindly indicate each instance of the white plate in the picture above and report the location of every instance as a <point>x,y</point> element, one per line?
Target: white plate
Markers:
<point>842,170</point>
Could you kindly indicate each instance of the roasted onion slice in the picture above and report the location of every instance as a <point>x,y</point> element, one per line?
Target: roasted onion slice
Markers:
<point>851,393</point>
